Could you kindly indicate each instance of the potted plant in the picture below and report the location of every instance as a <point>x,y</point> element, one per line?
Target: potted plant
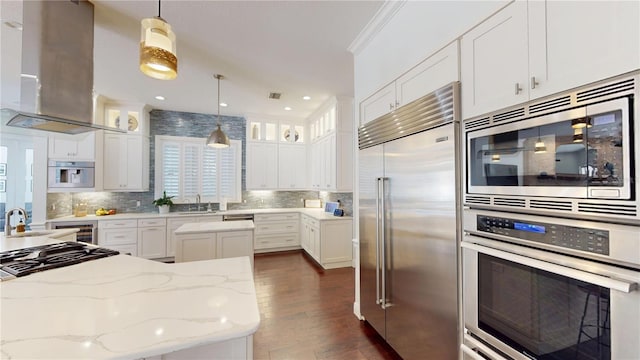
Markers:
<point>163,203</point>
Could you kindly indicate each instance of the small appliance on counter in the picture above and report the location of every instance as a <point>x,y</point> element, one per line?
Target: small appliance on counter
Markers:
<point>330,207</point>
<point>312,203</point>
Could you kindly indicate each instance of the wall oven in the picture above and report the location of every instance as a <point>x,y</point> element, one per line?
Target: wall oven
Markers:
<point>549,288</point>
<point>573,154</point>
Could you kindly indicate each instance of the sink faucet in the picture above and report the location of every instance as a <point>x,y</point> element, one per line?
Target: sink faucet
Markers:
<point>7,219</point>
<point>198,201</point>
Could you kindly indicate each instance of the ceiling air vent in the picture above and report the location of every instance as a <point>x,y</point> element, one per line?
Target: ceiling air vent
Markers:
<point>275,95</point>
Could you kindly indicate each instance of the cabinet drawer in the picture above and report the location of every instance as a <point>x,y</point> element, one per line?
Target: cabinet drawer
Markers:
<point>275,217</point>
<point>152,222</point>
<point>118,237</point>
<point>277,227</point>
<point>310,221</point>
<point>117,224</point>
<point>271,241</point>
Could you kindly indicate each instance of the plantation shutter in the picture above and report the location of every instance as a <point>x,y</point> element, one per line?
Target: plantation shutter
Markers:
<point>209,173</point>
<point>186,168</point>
<point>170,173</point>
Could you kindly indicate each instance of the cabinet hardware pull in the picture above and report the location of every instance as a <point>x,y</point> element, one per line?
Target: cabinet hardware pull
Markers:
<point>534,83</point>
<point>390,106</point>
<point>397,103</point>
<point>518,89</point>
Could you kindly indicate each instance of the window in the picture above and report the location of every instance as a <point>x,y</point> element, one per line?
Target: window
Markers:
<point>186,168</point>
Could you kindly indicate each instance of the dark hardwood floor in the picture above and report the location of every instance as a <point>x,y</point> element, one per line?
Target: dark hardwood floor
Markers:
<point>307,312</point>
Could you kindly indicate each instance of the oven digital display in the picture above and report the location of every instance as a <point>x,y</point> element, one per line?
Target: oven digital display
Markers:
<point>539,229</point>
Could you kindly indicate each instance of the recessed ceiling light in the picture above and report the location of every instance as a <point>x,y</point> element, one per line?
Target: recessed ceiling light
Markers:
<point>223,104</point>
<point>287,108</point>
<point>306,97</point>
<point>159,97</point>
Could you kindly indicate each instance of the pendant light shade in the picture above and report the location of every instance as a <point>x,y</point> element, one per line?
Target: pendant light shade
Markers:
<point>217,138</point>
<point>539,147</point>
<point>158,48</point>
<point>578,136</point>
<point>581,123</point>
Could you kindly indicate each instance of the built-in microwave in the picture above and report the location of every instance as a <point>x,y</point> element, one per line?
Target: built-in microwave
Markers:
<point>71,174</point>
<point>572,153</point>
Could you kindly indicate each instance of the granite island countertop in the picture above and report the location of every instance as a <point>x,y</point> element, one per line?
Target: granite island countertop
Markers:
<point>123,307</point>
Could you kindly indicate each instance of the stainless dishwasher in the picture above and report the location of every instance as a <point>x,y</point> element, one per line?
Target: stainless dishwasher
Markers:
<point>237,217</point>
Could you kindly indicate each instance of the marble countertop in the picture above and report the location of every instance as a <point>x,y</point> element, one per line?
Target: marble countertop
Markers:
<point>40,238</point>
<point>317,213</point>
<point>215,226</point>
<point>123,307</point>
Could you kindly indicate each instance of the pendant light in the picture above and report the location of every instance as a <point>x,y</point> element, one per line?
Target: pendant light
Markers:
<point>581,123</point>
<point>158,49</point>
<point>578,136</point>
<point>217,138</point>
<point>539,148</point>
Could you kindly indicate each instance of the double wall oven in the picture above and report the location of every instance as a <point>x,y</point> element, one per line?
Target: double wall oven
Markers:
<point>551,240</point>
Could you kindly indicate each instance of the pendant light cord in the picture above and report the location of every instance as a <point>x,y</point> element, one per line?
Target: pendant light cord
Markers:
<point>218,99</point>
<point>159,9</point>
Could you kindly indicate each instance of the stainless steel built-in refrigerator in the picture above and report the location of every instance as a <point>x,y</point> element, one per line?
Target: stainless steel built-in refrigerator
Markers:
<point>408,230</point>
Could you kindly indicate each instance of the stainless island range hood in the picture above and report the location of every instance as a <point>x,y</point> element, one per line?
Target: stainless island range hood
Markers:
<point>56,79</point>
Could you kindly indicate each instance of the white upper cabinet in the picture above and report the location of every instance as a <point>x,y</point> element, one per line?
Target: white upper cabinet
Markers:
<point>126,162</point>
<point>292,173</point>
<point>494,62</point>
<point>433,73</point>
<point>575,43</point>
<point>134,118</point>
<point>533,49</point>
<point>262,166</point>
<point>331,151</point>
<point>72,147</point>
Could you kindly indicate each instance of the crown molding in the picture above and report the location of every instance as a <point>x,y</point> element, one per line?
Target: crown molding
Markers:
<point>386,12</point>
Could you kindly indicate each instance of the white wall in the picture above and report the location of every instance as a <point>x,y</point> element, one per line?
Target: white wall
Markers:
<point>417,30</point>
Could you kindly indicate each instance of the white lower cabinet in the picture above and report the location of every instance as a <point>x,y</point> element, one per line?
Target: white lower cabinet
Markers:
<point>328,242</point>
<point>152,238</point>
<point>276,232</point>
<point>120,235</point>
<point>214,245</point>
<point>174,223</point>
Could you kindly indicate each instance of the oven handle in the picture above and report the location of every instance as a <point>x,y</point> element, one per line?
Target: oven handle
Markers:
<point>482,348</point>
<point>608,282</point>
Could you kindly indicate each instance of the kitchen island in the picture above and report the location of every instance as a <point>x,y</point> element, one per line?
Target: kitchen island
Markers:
<point>123,307</point>
<point>214,240</point>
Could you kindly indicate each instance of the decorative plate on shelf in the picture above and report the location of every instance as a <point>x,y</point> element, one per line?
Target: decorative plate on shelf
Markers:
<point>133,123</point>
<point>287,134</point>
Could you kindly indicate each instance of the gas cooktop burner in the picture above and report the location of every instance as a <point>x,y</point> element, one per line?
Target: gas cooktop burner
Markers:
<point>26,261</point>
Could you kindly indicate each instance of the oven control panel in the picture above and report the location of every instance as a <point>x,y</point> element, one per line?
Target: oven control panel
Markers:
<point>577,238</point>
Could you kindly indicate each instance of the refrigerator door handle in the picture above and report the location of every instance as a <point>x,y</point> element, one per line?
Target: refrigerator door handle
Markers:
<point>378,241</point>
<point>383,247</point>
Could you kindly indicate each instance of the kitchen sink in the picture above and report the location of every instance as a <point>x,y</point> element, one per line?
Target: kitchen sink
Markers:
<point>202,212</point>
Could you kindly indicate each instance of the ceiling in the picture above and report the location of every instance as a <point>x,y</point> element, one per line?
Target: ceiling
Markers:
<point>296,48</point>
